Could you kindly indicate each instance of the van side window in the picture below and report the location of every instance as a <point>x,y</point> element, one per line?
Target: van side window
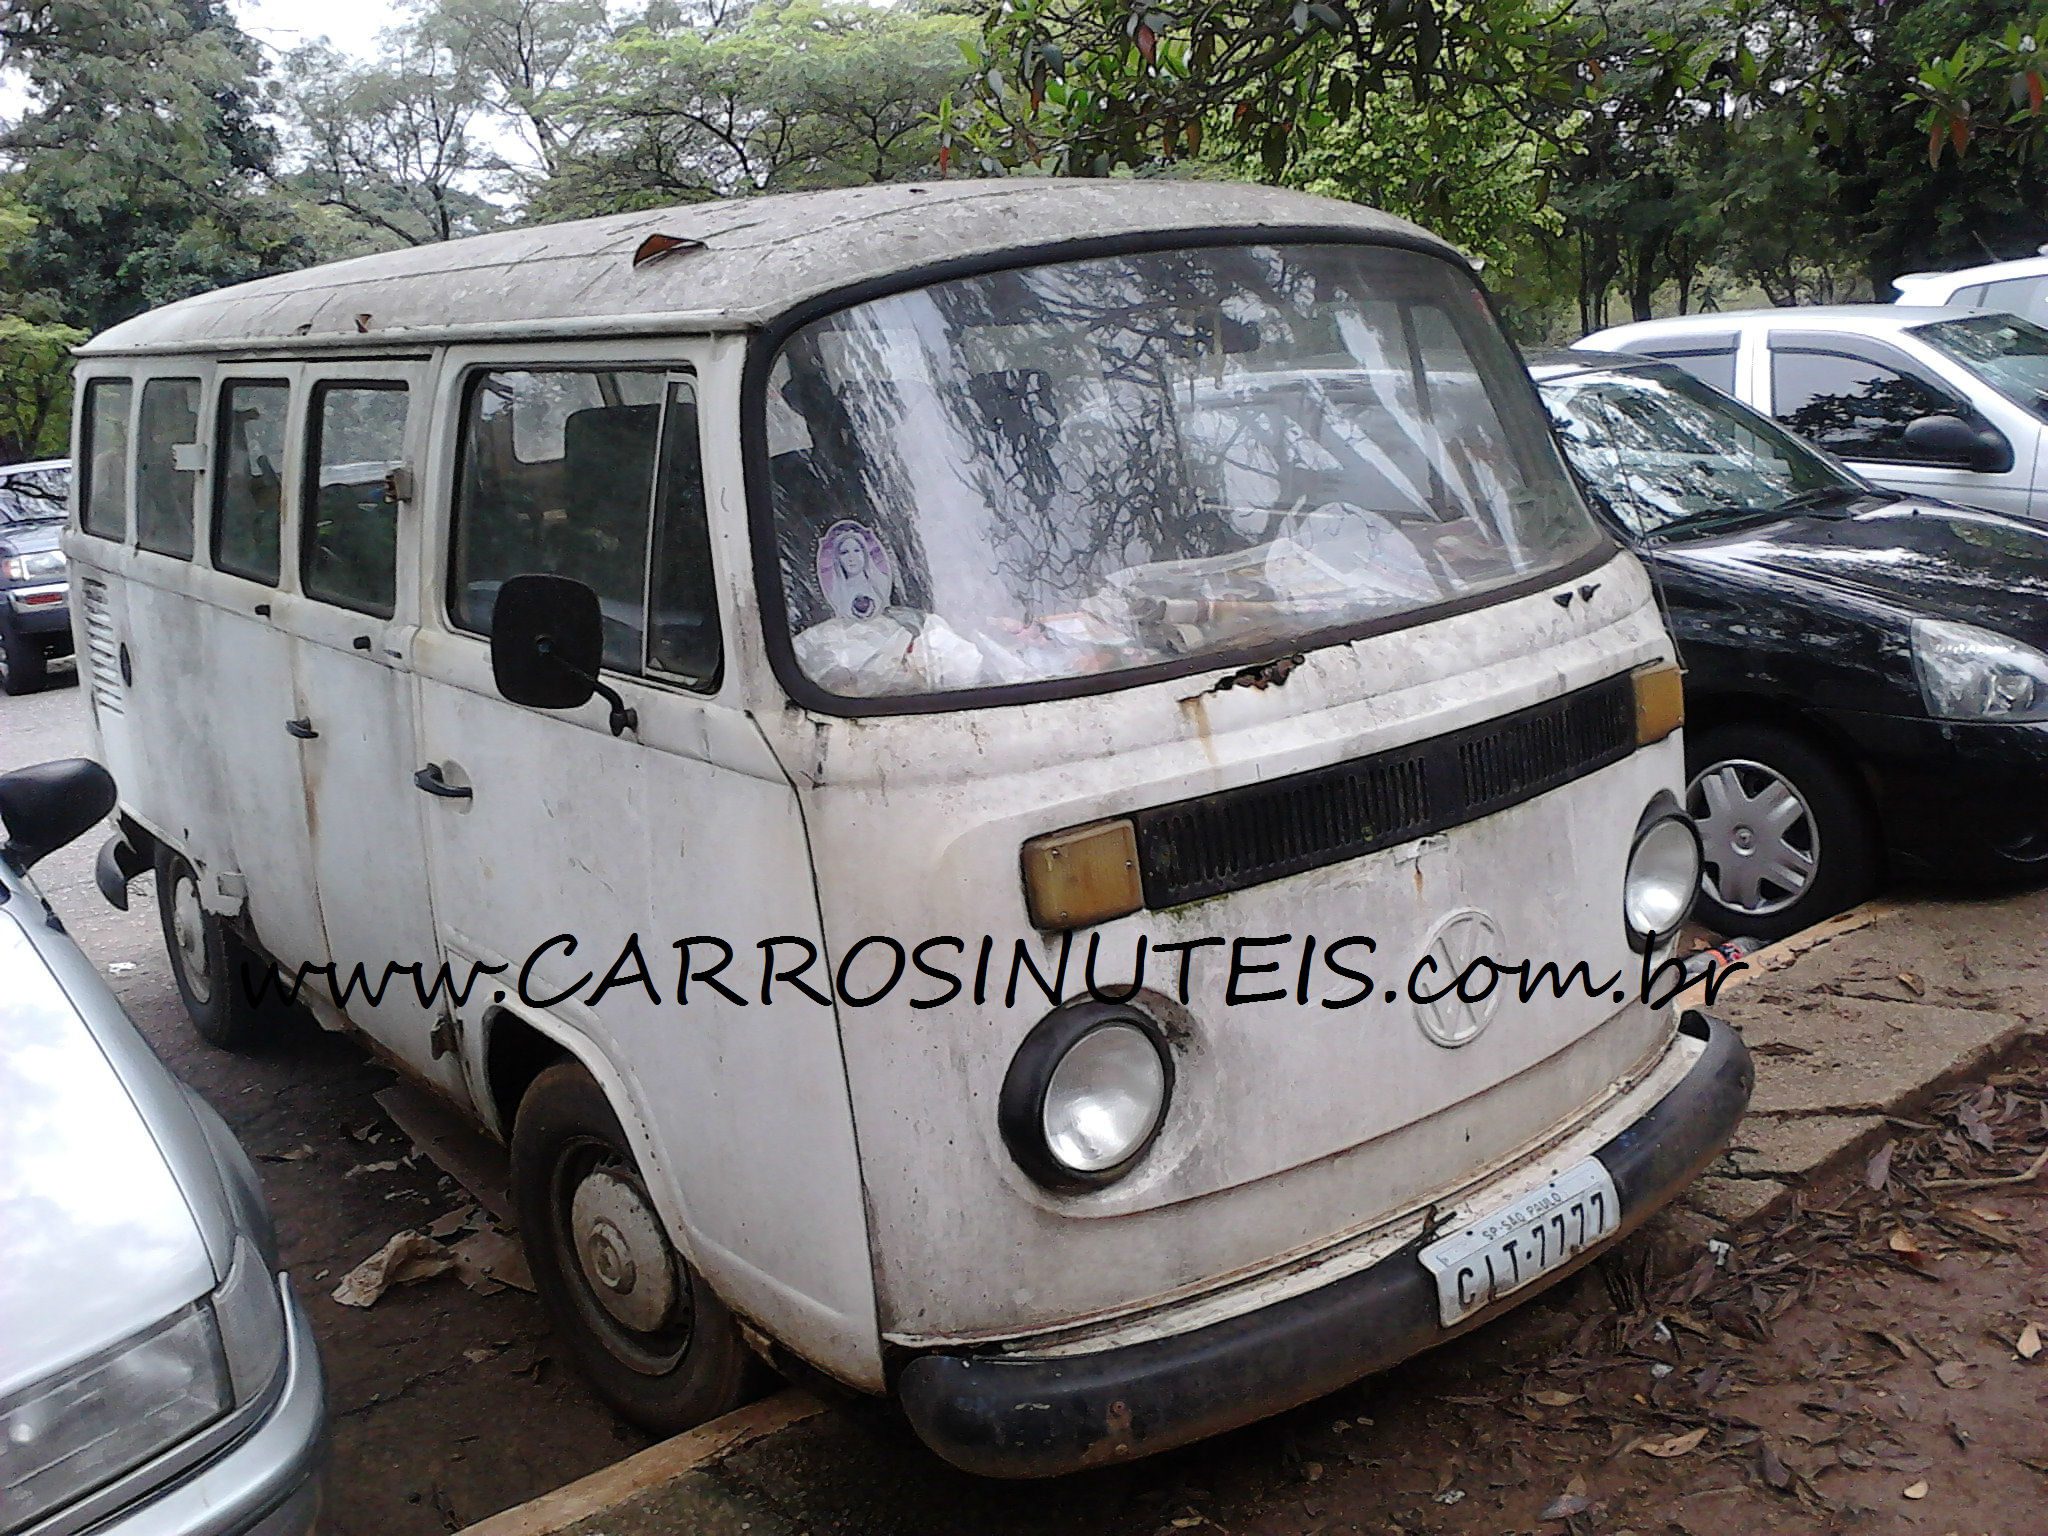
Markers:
<point>558,476</point>
<point>103,459</point>
<point>248,494</point>
<point>683,638</point>
<point>349,524</point>
<point>163,490</point>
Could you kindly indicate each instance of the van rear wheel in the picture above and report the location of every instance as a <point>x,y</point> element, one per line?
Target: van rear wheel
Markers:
<point>644,1328</point>
<point>206,959</point>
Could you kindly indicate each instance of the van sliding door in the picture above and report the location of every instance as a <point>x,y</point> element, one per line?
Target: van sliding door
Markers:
<point>356,554</point>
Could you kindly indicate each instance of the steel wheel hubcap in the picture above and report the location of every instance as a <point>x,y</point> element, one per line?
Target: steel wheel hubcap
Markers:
<point>622,1251</point>
<point>188,934</point>
<point>1758,834</point>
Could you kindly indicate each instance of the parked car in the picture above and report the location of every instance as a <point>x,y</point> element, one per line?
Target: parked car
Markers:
<point>1951,403</point>
<point>156,1374</point>
<point>35,607</point>
<point>1866,683</point>
<point>2017,287</point>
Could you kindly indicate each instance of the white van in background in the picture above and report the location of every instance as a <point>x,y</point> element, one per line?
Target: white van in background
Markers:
<point>1949,403</point>
<point>1035,621</point>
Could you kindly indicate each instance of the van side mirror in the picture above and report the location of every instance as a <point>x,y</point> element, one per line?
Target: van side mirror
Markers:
<point>44,807</point>
<point>1946,439</point>
<point>547,644</point>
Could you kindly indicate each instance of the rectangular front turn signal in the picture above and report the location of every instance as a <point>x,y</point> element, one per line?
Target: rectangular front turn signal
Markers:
<point>1660,702</point>
<point>1083,875</point>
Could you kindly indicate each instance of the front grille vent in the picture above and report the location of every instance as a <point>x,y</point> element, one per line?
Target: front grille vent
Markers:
<point>1243,837</point>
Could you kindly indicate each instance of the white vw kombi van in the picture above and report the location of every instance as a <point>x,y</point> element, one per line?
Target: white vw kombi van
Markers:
<point>1037,794</point>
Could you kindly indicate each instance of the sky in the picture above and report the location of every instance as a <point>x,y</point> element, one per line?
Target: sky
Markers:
<point>351,25</point>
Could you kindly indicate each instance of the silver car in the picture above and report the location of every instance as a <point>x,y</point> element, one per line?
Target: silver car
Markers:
<point>157,1377</point>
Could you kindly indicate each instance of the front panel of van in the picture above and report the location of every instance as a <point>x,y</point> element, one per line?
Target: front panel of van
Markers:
<point>1241,551</point>
<point>1291,1127</point>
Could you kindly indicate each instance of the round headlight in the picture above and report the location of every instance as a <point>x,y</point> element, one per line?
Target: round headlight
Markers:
<point>1104,1099</point>
<point>1663,878</point>
<point>1085,1095</point>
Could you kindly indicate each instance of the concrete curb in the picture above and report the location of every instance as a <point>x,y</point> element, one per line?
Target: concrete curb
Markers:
<point>610,1486</point>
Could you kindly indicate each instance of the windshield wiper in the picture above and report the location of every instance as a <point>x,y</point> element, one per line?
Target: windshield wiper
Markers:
<point>1821,496</point>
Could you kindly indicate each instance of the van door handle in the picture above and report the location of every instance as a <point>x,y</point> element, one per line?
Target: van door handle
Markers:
<point>301,728</point>
<point>429,778</point>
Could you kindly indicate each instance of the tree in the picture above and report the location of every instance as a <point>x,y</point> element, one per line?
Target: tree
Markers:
<point>394,143</point>
<point>1090,86</point>
<point>529,58</point>
<point>1456,164</point>
<point>788,94</point>
<point>141,158</point>
<point>35,351</point>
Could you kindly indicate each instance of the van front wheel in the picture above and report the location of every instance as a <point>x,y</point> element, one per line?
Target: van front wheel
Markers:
<point>643,1326</point>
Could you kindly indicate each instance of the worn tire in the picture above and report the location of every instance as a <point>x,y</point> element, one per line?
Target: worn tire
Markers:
<point>1837,830</point>
<point>206,960</point>
<point>22,667</point>
<point>692,1364</point>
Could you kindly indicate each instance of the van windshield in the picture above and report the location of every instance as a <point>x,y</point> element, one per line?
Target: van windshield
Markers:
<point>1095,466</point>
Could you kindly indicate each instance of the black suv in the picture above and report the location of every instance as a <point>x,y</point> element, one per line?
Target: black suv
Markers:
<point>35,601</point>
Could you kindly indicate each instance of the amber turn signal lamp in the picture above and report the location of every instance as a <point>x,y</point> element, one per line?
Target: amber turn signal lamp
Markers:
<point>1660,702</point>
<point>1082,875</point>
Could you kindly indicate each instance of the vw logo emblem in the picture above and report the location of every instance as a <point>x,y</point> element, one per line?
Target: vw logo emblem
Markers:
<point>1458,940</point>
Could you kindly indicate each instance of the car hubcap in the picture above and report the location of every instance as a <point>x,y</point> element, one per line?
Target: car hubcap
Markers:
<point>188,936</point>
<point>1761,843</point>
<point>623,1253</point>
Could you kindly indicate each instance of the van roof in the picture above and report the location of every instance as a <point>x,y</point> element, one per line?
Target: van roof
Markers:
<point>745,261</point>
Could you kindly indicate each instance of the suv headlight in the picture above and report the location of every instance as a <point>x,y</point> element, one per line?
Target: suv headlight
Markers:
<point>1085,1095</point>
<point>48,565</point>
<point>85,1427</point>
<point>1967,673</point>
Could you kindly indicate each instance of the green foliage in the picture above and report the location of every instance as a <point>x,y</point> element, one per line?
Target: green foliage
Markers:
<point>141,156</point>
<point>1090,86</point>
<point>35,351</point>
<point>1458,165</point>
<point>789,94</point>
<point>395,143</point>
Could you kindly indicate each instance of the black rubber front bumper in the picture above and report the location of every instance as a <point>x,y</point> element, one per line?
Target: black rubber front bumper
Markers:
<point>1016,1416</point>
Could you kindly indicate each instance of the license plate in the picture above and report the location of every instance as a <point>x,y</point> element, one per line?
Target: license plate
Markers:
<point>1520,1243</point>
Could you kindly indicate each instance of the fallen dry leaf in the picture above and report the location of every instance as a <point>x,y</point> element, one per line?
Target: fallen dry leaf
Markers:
<point>1906,1246</point>
<point>1879,1168</point>
<point>1552,1399</point>
<point>1573,1501</point>
<point>2030,1341</point>
<point>1953,1373</point>
<point>1917,1490</point>
<point>1676,1445</point>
